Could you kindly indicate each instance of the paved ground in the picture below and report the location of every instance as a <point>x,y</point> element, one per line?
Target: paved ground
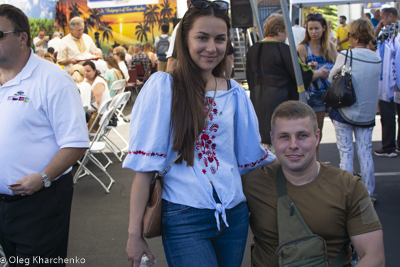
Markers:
<point>99,221</point>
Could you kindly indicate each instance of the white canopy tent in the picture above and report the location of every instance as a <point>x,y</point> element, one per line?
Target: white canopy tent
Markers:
<point>309,3</point>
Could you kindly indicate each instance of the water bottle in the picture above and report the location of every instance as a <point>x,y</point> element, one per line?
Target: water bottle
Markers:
<point>355,259</point>
<point>145,262</point>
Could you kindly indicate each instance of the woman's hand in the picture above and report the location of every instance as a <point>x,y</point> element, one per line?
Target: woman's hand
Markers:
<point>322,73</point>
<point>135,248</point>
<point>313,64</point>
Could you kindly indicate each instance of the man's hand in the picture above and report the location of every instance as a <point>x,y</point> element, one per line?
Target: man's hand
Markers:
<point>313,64</point>
<point>28,185</point>
<point>340,48</point>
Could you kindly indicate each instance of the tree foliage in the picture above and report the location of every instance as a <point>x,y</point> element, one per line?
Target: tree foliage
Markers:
<point>329,13</point>
<point>37,24</point>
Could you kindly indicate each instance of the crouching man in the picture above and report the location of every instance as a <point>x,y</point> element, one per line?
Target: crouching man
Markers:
<point>333,203</point>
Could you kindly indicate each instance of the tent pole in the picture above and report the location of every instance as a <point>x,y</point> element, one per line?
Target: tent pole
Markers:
<point>293,53</point>
<point>255,13</point>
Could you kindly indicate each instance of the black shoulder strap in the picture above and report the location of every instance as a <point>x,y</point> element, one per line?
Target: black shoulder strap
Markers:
<point>228,82</point>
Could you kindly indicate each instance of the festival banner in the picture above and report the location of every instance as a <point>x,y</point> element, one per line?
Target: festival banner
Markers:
<point>120,24</point>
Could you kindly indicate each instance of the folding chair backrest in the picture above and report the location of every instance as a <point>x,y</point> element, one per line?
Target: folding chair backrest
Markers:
<point>132,75</point>
<point>104,106</point>
<point>104,121</point>
<point>117,85</point>
<point>122,99</point>
<point>139,69</point>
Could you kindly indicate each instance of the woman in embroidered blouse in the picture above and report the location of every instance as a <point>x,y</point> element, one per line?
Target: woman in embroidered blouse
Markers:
<point>205,217</point>
<point>270,74</point>
<point>113,73</point>
<point>318,52</point>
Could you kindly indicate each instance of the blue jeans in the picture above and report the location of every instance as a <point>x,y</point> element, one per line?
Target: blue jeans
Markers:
<point>191,238</point>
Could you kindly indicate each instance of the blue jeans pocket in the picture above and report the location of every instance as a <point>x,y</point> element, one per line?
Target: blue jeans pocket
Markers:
<point>169,208</point>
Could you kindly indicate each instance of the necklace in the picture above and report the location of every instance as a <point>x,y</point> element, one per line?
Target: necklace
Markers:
<point>3,77</point>
<point>316,174</point>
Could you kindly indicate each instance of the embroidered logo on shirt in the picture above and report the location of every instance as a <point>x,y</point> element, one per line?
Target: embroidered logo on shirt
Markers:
<point>18,96</point>
<point>205,143</point>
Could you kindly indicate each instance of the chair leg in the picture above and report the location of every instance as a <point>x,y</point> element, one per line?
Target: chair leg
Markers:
<point>110,145</point>
<point>123,139</point>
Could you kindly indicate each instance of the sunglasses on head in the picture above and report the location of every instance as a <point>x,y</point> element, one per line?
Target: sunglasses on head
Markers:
<point>2,34</point>
<point>203,4</point>
<point>315,16</point>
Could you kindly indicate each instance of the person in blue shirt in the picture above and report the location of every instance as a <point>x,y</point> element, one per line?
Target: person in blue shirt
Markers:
<point>204,214</point>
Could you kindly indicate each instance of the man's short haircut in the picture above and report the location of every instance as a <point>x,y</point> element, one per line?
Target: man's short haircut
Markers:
<point>165,28</point>
<point>50,50</point>
<point>343,17</point>
<point>296,21</point>
<point>386,11</point>
<point>75,21</point>
<point>292,110</point>
<point>56,34</point>
<point>18,19</point>
<point>368,15</point>
<point>139,46</point>
<point>120,52</point>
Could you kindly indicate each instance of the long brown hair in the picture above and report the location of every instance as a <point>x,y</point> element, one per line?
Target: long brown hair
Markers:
<point>188,87</point>
<point>114,64</point>
<point>326,47</point>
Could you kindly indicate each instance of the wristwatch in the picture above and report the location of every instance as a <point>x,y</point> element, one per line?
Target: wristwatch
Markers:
<point>46,180</point>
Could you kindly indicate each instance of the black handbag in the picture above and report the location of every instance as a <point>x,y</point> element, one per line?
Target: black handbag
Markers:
<point>341,91</point>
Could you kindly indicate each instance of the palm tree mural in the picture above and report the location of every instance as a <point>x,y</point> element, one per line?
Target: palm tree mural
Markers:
<point>88,25</point>
<point>107,30</point>
<point>74,8</point>
<point>141,31</point>
<point>95,16</point>
<point>60,18</point>
<point>151,17</point>
<point>166,10</point>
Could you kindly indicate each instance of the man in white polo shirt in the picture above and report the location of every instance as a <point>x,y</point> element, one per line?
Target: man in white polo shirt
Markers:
<point>43,134</point>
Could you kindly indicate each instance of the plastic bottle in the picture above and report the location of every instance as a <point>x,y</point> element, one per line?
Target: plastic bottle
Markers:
<point>145,262</point>
<point>355,259</point>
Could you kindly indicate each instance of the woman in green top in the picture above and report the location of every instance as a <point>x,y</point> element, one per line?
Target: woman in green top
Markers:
<point>270,74</point>
<point>113,73</point>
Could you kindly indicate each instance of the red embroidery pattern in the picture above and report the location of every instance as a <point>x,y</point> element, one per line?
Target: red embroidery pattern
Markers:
<point>204,144</point>
<point>149,154</point>
<point>252,164</point>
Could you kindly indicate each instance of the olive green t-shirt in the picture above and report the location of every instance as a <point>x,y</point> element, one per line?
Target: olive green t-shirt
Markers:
<point>336,205</point>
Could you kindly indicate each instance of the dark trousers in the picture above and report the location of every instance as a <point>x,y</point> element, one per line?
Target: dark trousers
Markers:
<point>35,228</point>
<point>388,121</point>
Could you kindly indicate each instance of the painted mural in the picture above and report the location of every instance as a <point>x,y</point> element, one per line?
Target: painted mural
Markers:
<point>122,25</point>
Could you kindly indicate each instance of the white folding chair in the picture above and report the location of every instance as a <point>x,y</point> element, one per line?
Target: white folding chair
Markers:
<point>118,85</point>
<point>119,101</point>
<point>96,145</point>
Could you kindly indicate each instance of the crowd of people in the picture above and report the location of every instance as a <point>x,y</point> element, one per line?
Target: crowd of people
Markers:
<point>232,161</point>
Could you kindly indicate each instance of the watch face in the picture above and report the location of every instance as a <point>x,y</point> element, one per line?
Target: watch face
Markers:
<point>47,183</point>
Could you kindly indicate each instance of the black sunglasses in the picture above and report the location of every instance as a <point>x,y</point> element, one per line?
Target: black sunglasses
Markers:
<point>203,4</point>
<point>2,34</point>
<point>316,16</point>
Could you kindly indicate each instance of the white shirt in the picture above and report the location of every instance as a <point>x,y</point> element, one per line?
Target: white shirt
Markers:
<point>101,66</point>
<point>42,113</point>
<point>39,47</point>
<point>55,43</point>
<point>163,36</point>
<point>124,70</point>
<point>128,58</point>
<point>69,49</point>
<point>172,41</point>
<point>86,92</point>
<point>298,33</point>
<point>106,94</point>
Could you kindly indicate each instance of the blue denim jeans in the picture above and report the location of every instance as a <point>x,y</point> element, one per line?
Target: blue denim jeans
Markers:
<point>191,238</point>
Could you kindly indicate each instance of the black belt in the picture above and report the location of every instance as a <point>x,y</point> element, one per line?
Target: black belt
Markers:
<point>12,198</point>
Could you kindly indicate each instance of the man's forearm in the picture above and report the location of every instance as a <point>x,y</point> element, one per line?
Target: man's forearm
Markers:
<point>65,158</point>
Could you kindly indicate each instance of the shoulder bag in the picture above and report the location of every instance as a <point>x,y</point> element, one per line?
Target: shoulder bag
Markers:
<point>341,91</point>
<point>298,246</point>
<point>152,218</point>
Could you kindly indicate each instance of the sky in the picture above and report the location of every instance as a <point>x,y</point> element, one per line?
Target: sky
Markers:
<point>39,9</point>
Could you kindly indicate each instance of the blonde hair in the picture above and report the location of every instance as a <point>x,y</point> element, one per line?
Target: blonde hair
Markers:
<point>274,21</point>
<point>326,47</point>
<point>131,50</point>
<point>120,52</point>
<point>148,47</point>
<point>362,29</point>
<point>77,73</point>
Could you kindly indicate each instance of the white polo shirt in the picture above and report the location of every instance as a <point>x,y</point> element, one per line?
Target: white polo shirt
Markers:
<point>41,112</point>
